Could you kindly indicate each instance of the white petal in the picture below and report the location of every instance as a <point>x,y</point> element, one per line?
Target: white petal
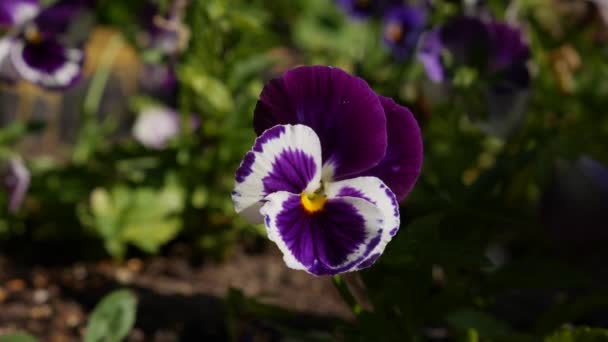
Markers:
<point>373,190</point>
<point>283,158</point>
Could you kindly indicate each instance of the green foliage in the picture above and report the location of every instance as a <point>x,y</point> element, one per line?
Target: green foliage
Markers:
<point>113,318</point>
<point>579,334</point>
<point>17,337</point>
<point>144,217</point>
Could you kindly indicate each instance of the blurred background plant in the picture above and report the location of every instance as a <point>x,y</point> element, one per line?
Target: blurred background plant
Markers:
<point>122,123</point>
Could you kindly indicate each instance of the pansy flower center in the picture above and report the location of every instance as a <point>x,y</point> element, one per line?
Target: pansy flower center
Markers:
<point>313,202</point>
<point>32,34</point>
<point>393,32</point>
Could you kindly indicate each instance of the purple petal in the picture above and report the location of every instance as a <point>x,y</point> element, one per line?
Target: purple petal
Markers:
<point>374,191</point>
<point>284,158</point>
<point>430,54</point>
<point>47,63</point>
<point>468,41</point>
<point>328,242</point>
<point>159,80</point>
<point>574,207</point>
<point>597,172</point>
<point>342,109</point>
<point>508,46</point>
<point>61,16</point>
<point>402,164</point>
<point>162,29</point>
<point>357,8</point>
<point>361,9</point>
<point>16,12</point>
<point>16,182</point>
<point>402,26</point>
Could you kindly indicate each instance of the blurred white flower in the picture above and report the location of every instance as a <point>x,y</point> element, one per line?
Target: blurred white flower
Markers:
<point>156,126</point>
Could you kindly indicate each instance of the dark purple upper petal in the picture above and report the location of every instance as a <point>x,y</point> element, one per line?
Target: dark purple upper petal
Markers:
<point>60,17</point>
<point>402,26</point>
<point>15,12</point>
<point>342,109</point>
<point>402,164</point>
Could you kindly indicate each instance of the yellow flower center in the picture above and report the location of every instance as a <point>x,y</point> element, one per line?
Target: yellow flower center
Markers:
<point>33,35</point>
<point>313,203</point>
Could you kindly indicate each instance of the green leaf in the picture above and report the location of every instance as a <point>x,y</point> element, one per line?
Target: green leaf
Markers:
<point>18,337</point>
<point>208,88</point>
<point>579,334</point>
<point>484,324</point>
<point>145,217</point>
<point>113,318</point>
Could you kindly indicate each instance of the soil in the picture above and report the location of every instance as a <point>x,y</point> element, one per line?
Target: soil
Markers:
<point>177,301</point>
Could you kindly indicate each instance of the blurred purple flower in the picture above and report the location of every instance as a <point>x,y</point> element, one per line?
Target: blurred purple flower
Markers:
<point>156,126</point>
<point>361,9</point>
<point>402,26</point>
<point>35,49</point>
<point>165,32</point>
<point>330,163</point>
<point>17,12</point>
<point>494,49</point>
<point>575,204</point>
<point>497,52</point>
<point>159,81</point>
<point>16,183</point>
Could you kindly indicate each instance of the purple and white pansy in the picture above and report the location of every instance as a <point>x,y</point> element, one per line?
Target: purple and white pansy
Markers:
<point>35,47</point>
<point>328,168</point>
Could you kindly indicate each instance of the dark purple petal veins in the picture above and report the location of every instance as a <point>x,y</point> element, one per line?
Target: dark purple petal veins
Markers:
<point>48,63</point>
<point>342,109</point>
<point>327,237</point>
<point>291,171</point>
<point>48,56</point>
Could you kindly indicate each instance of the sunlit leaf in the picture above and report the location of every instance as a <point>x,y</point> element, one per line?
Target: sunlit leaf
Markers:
<point>113,318</point>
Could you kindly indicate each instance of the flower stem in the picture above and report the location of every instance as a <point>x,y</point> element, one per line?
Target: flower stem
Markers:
<point>89,132</point>
<point>346,294</point>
